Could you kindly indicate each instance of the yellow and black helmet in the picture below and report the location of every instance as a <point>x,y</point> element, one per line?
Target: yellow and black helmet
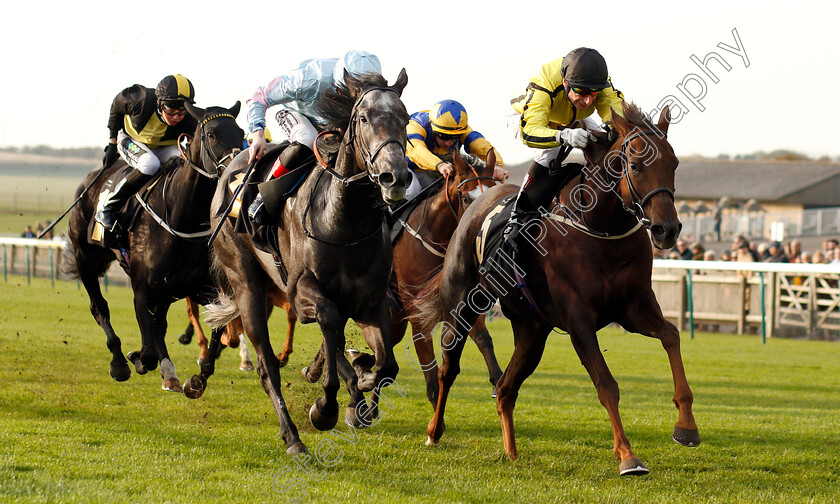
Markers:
<point>175,88</point>
<point>448,118</point>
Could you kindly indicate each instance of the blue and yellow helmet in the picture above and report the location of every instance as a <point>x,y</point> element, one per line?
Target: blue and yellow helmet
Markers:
<point>449,118</point>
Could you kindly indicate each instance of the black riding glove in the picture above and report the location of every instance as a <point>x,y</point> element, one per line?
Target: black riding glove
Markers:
<point>110,156</point>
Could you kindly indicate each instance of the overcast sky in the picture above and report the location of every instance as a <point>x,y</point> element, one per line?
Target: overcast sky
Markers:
<point>63,62</point>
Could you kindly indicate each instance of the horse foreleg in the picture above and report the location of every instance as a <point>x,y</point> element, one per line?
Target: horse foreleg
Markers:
<point>197,384</point>
<point>377,331</point>
<point>146,359</point>
<point>646,318</point>
<point>315,306</point>
<point>278,298</point>
<point>426,360</point>
<point>119,368</point>
<point>585,341</point>
<point>452,339</point>
<point>484,342</point>
<point>171,382</point>
<point>192,314</point>
<point>530,340</point>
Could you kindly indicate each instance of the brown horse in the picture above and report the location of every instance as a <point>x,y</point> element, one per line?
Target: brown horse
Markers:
<point>584,266</point>
<point>418,255</point>
<point>234,333</point>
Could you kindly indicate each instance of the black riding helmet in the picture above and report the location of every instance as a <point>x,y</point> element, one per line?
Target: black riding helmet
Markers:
<point>585,67</point>
<point>175,88</point>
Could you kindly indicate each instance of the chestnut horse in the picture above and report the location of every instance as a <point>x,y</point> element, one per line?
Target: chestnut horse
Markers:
<point>419,253</point>
<point>234,334</point>
<point>335,248</point>
<point>584,266</point>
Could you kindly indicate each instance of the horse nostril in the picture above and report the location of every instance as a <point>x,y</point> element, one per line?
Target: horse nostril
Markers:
<point>386,179</point>
<point>657,231</point>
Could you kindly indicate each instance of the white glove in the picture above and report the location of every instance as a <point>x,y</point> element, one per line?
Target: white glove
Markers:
<point>578,138</point>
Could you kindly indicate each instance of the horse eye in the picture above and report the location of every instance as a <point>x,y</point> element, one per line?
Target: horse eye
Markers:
<point>635,167</point>
<point>211,135</point>
<point>363,119</point>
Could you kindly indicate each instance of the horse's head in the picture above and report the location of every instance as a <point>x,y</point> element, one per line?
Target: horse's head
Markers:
<point>639,158</point>
<point>470,181</point>
<point>220,138</point>
<point>376,133</point>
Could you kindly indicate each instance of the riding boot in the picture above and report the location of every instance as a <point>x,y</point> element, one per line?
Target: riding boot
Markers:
<point>125,189</point>
<point>293,157</point>
<point>523,203</point>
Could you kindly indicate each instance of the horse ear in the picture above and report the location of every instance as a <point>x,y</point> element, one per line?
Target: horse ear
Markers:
<point>194,111</point>
<point>664,119</point>
<point>460,164</point>
<point>491,159</point>
<point>620,123</point>
<point>402,80</point>
<point>234,111</point>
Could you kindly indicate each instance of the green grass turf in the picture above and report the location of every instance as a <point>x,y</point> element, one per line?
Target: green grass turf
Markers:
<point>769,416</point>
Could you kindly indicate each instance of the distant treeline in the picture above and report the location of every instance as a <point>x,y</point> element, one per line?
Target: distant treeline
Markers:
<point>46,150</point>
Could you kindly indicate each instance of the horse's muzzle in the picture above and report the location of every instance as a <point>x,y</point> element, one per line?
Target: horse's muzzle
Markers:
<point>664,235</point>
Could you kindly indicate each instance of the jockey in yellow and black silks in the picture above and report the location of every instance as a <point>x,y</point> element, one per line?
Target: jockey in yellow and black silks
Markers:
<point>144,127</point>
<point>433,135</point>
<point>567,89</point>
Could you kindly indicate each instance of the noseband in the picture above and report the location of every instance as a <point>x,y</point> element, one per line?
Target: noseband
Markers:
<point>638,202</point>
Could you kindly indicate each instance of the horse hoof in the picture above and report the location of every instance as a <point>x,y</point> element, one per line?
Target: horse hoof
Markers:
<point>120,372</point>
<point>493,393</point>
<point>686,437</point>
<point>430,441</point>
<point>134,357</point>
<point>296,448</point>
<point>248,366</point>
<point>283,360</point>
<point>194,387</point>
<point>184,339</point>
<point>321,421</point>
<point>172,385</point>
<point>632,467</point>
<point>359,420</point>
<point>308,379</point>
<point>366,381</point>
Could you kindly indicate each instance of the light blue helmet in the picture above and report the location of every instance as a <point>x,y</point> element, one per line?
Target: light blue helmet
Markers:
<point>357,63</point>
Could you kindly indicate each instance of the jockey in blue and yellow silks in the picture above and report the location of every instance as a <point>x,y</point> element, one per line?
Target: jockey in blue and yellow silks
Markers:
<point>433,135</point>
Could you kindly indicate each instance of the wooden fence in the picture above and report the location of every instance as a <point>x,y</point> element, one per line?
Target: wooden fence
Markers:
<point>43,258</point>
<point>770,299</point>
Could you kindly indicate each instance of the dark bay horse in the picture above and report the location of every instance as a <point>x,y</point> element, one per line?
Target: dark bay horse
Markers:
<point>418,256</point>
<point>585,265</point>
<point>334,243</point>
<point>165,252</point>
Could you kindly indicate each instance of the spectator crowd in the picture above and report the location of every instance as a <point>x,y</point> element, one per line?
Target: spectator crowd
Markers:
<point>742,250</point>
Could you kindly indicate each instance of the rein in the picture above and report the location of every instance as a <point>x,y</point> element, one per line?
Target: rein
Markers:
<point>219,165</point>
<point>637,203</point>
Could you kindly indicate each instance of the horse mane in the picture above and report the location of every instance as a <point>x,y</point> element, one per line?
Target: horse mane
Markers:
<point>634,115</point>
<point>336,104</point>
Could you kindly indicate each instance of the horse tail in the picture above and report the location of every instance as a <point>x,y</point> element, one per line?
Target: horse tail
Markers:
<point>224,309</point>
<point>221,311</point>
<point>68,267</point>
<point>426,308</point>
